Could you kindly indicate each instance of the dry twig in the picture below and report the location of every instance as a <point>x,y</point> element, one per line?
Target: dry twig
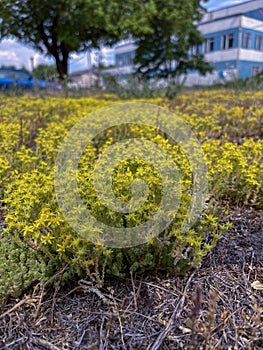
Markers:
<point>176,314</point>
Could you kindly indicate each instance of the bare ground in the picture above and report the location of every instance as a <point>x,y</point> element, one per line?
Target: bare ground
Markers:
<point>214,307</point>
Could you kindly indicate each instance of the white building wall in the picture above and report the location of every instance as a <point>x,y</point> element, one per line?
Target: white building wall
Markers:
<point>251,55</point>
<point>233,10</point>
<point>209,79</point>
<point>215,22</point>
<point>125,48</point>
<point>221,56</point>
<point>251,23</point>
<point>218,26</point>
<point>119,70</point>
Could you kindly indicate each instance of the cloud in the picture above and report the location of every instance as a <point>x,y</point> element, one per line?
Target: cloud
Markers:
<point>86,60</point>
<point>9,58</point>
<point>78,62</point>
<point>40,59</point>
<point>108,56</point>
<point>13,53</point>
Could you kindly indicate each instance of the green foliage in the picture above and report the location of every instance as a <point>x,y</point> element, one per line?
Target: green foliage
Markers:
<point>164,50</point>
<point>139,87</point>
<point>45,72</point>
<point>131,88</point>
<point>236,172</point>
<point>164,32</point>
<point>254,83</point>
<point>37,240</point>
<point>58,28</point>
<point>20,266</point>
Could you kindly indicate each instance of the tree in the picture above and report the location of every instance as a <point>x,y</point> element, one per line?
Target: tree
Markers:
<point>167,50</point>
<point>164,30</point>
<point>8,66</point>
<point>45,72</point>
<point>58,28</point>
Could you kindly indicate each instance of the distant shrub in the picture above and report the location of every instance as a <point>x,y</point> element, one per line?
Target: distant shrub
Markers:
<point>137,87</point>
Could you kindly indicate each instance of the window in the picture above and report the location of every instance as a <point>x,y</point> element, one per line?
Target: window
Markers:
<point>227,41</point>
<point>120,61</point>
<point>259,42</point>
<point>128,60</point>
<point>195,50</point>
<point>223,42</point>
<point>210,45</point>
<point>230,41</point>
<point>246,44</point>
<point>124,59</point>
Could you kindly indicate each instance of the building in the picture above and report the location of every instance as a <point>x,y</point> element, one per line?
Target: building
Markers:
<point>233,45</point>
<point>86,79</point>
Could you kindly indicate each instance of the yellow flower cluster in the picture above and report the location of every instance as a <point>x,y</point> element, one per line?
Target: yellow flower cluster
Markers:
<point>229,127</point>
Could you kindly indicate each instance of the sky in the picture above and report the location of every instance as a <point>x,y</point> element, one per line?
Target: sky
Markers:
<point>216,4</point>
<point>13,53</point>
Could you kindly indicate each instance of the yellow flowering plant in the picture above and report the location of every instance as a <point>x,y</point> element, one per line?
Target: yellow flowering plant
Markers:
<point>31,132</point>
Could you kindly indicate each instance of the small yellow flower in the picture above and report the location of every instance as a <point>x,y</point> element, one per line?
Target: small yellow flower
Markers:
<point>47,238</point>
<point>60,248</point>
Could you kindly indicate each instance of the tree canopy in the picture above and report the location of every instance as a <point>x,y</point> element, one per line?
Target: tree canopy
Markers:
<point>164,31</point>
<point>58,28</point>
<point>170,47</point>
<point>45,72</point>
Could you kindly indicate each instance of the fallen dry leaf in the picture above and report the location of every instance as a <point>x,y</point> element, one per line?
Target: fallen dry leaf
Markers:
<point>257,285</point>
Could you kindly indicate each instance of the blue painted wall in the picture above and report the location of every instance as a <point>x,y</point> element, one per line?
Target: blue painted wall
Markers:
<point>218,35</point>
<point>253,33</point>
<point>257,14</point>
<point>121,59</point>
<point>225,65</point>
<point>246,68</point>
<point>220,66</point>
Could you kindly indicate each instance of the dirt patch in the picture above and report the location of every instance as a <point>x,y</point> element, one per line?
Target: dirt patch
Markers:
<point>243,241</point>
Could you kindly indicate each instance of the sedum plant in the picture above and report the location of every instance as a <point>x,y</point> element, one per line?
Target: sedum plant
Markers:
<point>37,240</point>
<point>20,267</point>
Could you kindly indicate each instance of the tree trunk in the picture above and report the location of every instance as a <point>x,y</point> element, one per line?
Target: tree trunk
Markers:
<point>59,51</point>
<point>62,66</point>
<point>61,57</point>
